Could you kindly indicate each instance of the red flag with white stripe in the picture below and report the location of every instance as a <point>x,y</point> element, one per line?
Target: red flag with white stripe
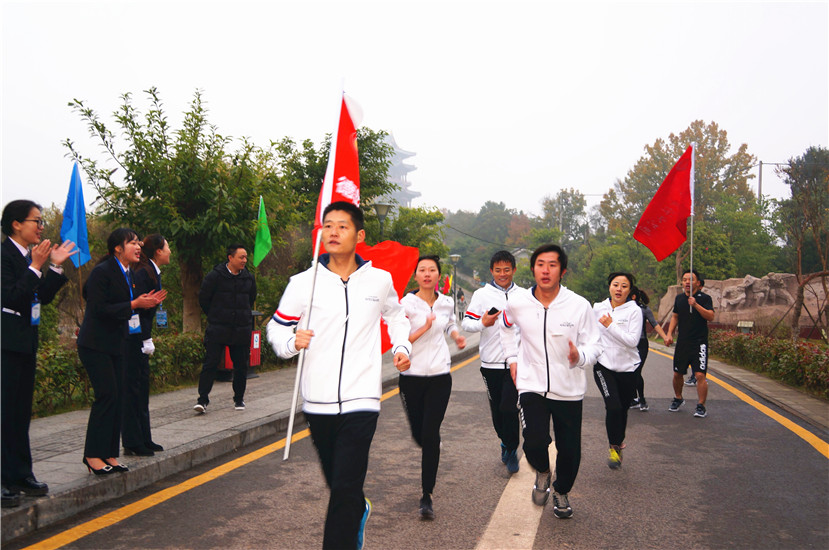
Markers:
<point>342,177</point>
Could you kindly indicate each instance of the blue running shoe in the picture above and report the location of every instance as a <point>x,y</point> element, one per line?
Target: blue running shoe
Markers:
<point>361,534</point>
<point>504,453</point>
<point>512,461</point>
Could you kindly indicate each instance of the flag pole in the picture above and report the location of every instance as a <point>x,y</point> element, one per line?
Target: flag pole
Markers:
<point>693,190</point>
<point>301,361</point>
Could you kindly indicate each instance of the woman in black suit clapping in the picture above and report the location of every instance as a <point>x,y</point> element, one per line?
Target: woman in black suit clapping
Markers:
<point>111,315</point>
<point>155,252</point>
<point>28,282</point>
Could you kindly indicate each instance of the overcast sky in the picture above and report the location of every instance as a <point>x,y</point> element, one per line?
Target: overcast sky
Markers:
<point>505,101</point>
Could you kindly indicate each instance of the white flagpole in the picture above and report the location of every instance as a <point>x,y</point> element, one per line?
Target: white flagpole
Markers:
<point>301,361</point>
<point>693,190</point>
<point>329,181</point>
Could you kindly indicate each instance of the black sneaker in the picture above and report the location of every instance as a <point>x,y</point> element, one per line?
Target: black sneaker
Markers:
<point>426,510</point>
<point>700,412</point>
<point>643,405</point>
<point>561,506</point>
<point>676,404</point>
<point>239,406</point>
<point>200,408</point>
<point>541,489</point>
<point>634,403</point>
<point>692,380</point>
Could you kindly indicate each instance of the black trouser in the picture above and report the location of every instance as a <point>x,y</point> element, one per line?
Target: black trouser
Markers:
<point>213,353</point>
<point>135,429</point>
<point>536,412</point>
<point>106,374</point>
<point>343,442</point>
<point>503,405</point>
<point>425,399</point>
<point>18,386</point>
<point>642,346</point>
<point>617,389</point>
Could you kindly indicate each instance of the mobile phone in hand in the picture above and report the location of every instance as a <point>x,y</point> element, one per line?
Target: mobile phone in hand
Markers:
<point>493,311</point>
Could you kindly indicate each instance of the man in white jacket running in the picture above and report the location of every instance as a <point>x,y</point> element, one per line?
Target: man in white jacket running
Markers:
<point>342,376</point>
<point>559,338</point>
<point>500,389</point>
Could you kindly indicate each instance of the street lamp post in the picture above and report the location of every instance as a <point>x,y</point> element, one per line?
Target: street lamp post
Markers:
<point>382,210</point>
<point>454,259</point>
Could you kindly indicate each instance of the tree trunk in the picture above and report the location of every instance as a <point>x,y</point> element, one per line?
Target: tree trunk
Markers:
<point>191,278</point>
<point>798,307</point>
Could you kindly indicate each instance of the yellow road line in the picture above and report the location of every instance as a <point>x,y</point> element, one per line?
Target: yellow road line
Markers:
<point>810,438</point>
<point>80,531</point>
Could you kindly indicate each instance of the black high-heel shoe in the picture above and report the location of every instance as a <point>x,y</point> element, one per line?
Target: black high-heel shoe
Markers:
<point>99,472</point>
<point>140,450</point>
<point>118,468</point>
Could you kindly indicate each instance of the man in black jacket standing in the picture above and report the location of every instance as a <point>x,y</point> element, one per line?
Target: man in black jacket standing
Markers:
<point>227,295</point>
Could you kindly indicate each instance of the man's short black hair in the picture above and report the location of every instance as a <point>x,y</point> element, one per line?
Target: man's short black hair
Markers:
<point>352,209</point>
<point>543,249</point>
<point>700,280</point>
<point>502,256</point>
<point>231,250</point>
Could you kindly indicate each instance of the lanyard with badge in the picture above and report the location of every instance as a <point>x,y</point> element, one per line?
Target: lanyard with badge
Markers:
<point>160,313</point>
<point>135,321</point>
<point>35,317</point>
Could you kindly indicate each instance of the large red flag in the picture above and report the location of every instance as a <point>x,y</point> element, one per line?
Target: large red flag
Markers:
<point>398,260</point>
<point>342,177</point>
<point>663,226</point>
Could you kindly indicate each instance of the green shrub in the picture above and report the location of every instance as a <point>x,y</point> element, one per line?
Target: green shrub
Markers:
<point>795,362</point>
<point>61,382</point>
<point>177,360</point>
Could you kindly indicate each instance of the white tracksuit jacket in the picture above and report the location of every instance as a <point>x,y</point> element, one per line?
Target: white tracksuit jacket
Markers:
<point>485,298</point>
<point>543,366</point>
<point>619,340</point>
<point>430,353</point>
<point>342,370</point>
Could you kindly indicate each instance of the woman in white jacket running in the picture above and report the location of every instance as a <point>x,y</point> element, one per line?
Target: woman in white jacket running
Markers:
<point>620,325</point>
<point>426,386</point>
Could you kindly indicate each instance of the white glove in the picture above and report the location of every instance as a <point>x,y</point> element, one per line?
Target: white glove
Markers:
<point>148,348</point>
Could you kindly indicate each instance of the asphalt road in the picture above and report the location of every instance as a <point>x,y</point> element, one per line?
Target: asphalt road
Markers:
<point>737,479</point>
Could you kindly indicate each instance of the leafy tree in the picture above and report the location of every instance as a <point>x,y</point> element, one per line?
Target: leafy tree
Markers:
<point>181,183</point>
<point>566,211</point>
<point>718,174</point>
<point>421,228</point>
<point>805,219</point>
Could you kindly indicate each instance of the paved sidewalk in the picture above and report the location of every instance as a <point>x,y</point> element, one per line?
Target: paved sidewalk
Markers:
<point>190,439</point>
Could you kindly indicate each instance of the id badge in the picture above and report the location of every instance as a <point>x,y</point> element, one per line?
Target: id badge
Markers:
<point>35,313</point>
<point>135,324</point>
<point>161,318</point>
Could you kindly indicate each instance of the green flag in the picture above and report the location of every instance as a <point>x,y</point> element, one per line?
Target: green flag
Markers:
<point>263,236</point>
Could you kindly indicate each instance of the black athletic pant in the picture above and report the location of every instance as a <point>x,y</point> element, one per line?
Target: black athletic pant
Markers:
<point>135,430</point>
<point>343,442</point>
<point>617,389</point>
<point>106,374</point>
<point>503,405</point>
<point>213,352</point>
<point>536,411</point>
<point>642,346</point>
<point>425,399</point>
<point>18,386</point>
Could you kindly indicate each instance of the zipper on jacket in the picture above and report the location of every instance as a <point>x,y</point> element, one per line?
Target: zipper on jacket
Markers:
<point>546,355</point>
<point>342,355</point>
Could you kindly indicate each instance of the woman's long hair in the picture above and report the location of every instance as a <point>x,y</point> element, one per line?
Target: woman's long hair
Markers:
<point>151,244</point>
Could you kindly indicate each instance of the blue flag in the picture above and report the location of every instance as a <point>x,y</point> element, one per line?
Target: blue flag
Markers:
<point>74,219</point>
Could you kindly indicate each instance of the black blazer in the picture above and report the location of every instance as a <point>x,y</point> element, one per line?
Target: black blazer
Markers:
<point>144,283</point>
<point>19,284</point>
<point>105,323</point>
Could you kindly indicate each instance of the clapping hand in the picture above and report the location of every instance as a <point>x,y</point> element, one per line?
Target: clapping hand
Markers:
<point>59,254</point>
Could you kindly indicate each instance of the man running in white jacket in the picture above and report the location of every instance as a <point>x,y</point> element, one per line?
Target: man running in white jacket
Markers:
<point>342,378</point>
<point>559,338</point>
<point>500,389</point>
